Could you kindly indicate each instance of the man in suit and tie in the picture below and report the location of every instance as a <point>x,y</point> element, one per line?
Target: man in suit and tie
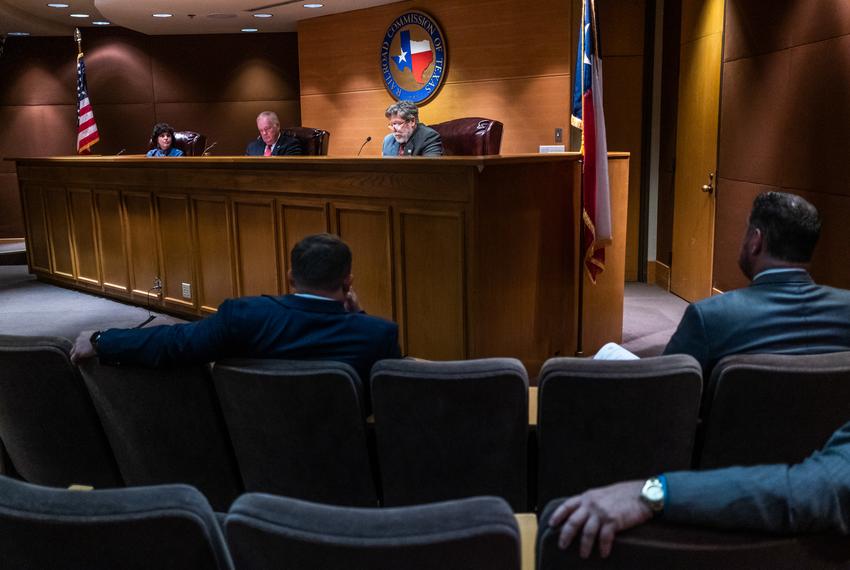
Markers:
<point>782,311</point>
<point>409,137</point>
<point>321,320</point>
<point>271,142</point>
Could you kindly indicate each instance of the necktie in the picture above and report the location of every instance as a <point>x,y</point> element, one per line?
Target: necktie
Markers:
<point>268,150</point>
<point>401,149</point>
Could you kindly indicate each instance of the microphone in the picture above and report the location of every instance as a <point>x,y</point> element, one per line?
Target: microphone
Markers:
<point>208,149</point>
<point>120,152</point>
<point>364,144</point>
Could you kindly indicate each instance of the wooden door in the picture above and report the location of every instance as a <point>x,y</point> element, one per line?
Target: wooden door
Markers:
<point>696,148</point>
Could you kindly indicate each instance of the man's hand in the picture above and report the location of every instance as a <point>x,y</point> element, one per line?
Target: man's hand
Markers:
<point>600,512</point>
<point>82,348</point>
<point>352,303</point>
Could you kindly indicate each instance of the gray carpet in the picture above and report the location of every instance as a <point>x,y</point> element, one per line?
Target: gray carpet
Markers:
<point>29,307</point>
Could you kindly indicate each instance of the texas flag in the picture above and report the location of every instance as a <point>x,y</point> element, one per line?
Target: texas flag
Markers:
<point>415,55</point>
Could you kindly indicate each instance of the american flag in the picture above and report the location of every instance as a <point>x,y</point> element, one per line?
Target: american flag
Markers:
<point>588,116</point>
<point>87,131</point>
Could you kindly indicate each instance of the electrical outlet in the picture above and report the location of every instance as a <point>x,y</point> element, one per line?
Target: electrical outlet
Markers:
<point>559,135</point>
<point>187,290</point>
<point>157,284</point>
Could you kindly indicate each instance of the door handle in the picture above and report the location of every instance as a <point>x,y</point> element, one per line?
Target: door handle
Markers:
<point>710,186</point>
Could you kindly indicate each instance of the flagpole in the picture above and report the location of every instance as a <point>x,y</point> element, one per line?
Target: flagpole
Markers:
<point>78,37</point>
<point>581,246</point>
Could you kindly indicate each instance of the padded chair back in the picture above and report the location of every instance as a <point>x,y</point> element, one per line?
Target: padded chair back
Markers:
<point>773,408</point>
<point>47,422</point>
<point>165,426</point>
<point>145,527</point>
<point>603,421</point>
<point>298,429</point>
<point>314,141</point>
<point>470,136</point>
<point>190,142</point>
<point>659,546</point>
<point>265,532</point>
<point>447,430</point>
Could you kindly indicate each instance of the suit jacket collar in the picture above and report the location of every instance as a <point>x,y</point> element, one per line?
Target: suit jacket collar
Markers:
<point>307,304</point>
<point>791,275</point>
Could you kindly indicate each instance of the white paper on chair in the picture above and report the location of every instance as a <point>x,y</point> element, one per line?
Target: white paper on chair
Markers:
<point>613,351</point>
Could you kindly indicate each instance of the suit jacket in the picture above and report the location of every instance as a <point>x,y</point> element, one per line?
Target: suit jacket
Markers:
<point>812,496</point>
<point>424,141</point>
<point>779,313</point>
<point>260,327</point>
<point>285,146</point>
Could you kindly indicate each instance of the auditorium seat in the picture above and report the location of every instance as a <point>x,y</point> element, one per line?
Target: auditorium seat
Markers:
<point>165,426</point>
<point>166,527</point>
<point>298,429</point>
<point>47,422</point>
<point>660,546</point>
<point>773,408</point>
<point>314,141</point>
<point>446,430</point>
<point>190,142</point>
<point>602,421</point>
<point>470,136</point>
<point>268,532</point>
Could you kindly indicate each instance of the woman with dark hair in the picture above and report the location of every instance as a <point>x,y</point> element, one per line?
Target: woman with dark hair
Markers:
<point>163,137</point>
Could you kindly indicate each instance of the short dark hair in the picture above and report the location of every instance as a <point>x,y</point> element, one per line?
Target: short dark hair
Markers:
<point>160,128</point>
<point>405,109</point>
<point>320,261</point>
<point>790,225</point>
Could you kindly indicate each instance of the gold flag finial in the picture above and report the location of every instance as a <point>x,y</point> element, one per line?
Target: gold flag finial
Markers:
<point>78,37</point>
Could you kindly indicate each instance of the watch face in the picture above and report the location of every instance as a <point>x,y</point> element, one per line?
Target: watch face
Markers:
<point>654,493</point>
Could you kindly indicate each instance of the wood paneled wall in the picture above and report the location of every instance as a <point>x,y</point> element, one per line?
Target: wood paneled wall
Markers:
<point>509,60</point>
<point>212,84</point>
<point>784,119</point>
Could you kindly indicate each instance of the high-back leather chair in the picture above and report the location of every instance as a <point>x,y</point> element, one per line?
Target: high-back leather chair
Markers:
<point>165,527</point>
<point>298,429</point>
<point>660,546</point>
<point>314,141</point>
<point>603,421</point>
<point>165,426</point>
<point>446,430</point>
<point>190,142</point>
<point>773,408</point>
<point>264,531</point>
<point>47,421</point>
<point>470,136</point>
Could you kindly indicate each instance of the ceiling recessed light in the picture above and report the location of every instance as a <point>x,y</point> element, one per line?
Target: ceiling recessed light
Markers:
<point>249,29</point>
<point>18,34</point>
<point>101,23</point>
<point>79,15</point>
<point>58,5</point>
<point>262,15</point>
<point>313,5</point>
<point>162,15</point>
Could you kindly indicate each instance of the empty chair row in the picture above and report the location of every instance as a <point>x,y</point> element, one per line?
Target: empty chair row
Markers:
<point>442,430</point>
<point>173,526</point>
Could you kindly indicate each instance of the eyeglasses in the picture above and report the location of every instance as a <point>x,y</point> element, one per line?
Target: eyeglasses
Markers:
<point>395,125</point>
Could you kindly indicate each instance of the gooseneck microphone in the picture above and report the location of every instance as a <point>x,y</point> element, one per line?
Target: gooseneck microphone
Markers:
<point>364,144</point>
<point>208,149</point>
<point>120,152</point>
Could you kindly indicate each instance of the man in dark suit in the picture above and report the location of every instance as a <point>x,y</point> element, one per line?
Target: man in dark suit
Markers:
<point>322,320</point>
<point>409,137</point>
<point>782,311</point>
<point>812,496</point>
<point>271,142</point>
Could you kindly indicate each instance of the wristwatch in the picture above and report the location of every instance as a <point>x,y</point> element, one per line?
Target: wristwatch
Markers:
<point>94,338</point>
<point>653,494</point>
